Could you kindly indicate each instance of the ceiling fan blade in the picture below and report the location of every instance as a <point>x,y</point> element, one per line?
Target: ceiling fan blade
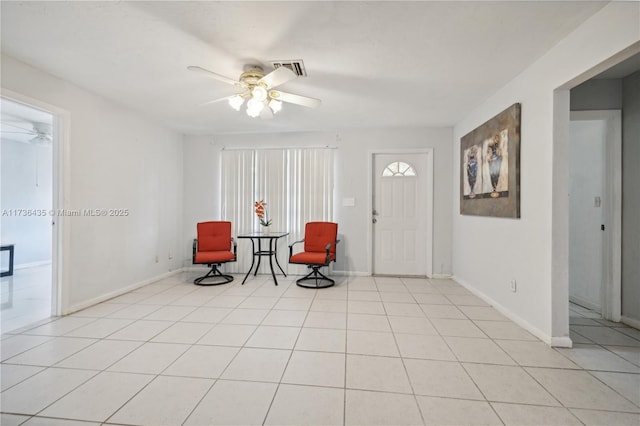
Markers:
<point>21,133</point>
<point>15,126</point>
<point>279,76</point>
<point>215,76</point>
<point>295,99</point>
<point>226,98</point>
<point>266,113</point>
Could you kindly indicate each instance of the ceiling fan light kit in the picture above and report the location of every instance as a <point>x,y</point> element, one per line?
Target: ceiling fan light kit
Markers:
<point>41,140</point>
<point>254,107</point>
<point>275,105</point>
<point>257,87</point>
<point>259,93</point>
<point>236,102</point>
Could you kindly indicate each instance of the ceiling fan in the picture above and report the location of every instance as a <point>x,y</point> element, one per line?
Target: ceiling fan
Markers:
<point>41,132</point>
<point>258,89</point>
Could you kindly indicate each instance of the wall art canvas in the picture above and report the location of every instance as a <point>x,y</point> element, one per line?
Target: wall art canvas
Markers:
<point>490,167</point>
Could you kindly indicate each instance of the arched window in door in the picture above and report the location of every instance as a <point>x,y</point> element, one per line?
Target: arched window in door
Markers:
<point>398,169</point>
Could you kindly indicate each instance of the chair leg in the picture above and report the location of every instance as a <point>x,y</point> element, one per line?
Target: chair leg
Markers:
<point>215,274</point>
<point>318,278</point>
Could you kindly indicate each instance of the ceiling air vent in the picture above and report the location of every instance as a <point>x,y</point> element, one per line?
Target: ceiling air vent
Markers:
<point>296,65</point>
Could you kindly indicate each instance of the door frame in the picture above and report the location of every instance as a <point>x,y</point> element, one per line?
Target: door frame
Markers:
<point>560,189</point>
<point>428,202</point>
<point>60,232</point>
<point>611,288</point>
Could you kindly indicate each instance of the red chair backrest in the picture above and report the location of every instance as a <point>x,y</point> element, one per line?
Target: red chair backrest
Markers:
<point>318,234</point>
<point>214,236</point>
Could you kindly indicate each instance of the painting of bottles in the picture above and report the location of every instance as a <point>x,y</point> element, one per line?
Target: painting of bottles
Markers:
<point>495,168</point>
<point>490,167</point>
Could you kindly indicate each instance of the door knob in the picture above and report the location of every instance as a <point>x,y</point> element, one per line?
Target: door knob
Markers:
<point>374,220</point>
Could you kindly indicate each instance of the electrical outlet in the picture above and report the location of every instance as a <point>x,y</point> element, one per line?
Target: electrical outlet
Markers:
<point>170,255</point>
<point>513,286</point>
<point>157,259</point>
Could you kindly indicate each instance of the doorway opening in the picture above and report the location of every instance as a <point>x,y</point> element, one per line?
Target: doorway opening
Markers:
<point>595,211</point>
<point>26,206</point>
<point>623,71</point>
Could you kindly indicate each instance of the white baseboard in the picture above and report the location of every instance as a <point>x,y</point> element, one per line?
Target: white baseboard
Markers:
<point>351,273</point>
<point>441,276</point>
<point>198,268</point>
<point>561,342</point>
<point>549,340</point>
<point>369,274</point>
<point>630,322</point>
<point>119,292</point>
<point>31,264</point>
<point>585,303</point>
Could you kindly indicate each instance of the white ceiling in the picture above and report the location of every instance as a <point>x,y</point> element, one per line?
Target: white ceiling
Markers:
<point>373,64</point>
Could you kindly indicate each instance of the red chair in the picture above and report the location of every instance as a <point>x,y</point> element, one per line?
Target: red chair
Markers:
<point>213,248</point>
<point>320,240</point>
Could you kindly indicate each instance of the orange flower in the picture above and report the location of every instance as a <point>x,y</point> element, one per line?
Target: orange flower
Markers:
<point>261,212</point>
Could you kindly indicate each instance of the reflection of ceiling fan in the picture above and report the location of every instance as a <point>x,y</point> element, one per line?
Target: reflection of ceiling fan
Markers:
<point>258,90</point>
<point>41,132</point>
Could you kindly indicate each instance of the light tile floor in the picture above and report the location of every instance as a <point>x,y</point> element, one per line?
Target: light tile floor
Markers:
<point>367,351</point>
<point>26,297</point>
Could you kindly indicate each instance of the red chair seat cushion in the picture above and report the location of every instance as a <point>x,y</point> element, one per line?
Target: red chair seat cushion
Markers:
<point>213,256</point>
<point>311,258</point>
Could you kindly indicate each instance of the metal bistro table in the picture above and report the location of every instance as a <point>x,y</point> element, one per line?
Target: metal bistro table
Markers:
<point>10,248</point>
<point>271,252</point>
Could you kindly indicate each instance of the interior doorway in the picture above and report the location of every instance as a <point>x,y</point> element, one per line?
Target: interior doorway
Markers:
<point>595,211</point>
<point>402,213</point>
<point>26,207</point>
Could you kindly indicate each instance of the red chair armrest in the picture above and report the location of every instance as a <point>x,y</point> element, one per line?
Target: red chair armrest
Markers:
<point>328,249</point>
<point>291,247</point>
<point>195,249</point>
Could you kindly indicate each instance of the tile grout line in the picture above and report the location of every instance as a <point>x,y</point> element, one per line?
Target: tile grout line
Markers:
<point>404,366</point>
<point>308,310</point>
<point>279,383</point>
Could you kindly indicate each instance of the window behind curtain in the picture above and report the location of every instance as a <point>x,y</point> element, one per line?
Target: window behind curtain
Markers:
<point>297,185</point>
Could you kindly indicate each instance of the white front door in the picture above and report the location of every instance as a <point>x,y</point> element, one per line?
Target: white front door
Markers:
<point>399,221</point>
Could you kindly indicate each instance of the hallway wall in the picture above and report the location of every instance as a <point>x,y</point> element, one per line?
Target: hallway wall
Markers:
<point>26,178</point>
<point>488,252</point>
<point>631,200</point>
<point>115,159</point>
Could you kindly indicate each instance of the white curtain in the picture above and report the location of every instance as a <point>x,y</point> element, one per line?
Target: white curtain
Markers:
<point>297,185</point>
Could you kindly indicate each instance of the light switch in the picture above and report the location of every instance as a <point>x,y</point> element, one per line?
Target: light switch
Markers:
<point>597,202</point>
<point>348,202</point>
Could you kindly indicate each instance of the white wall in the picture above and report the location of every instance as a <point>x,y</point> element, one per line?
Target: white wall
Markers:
<point>202,191</point>
<point>26,184</point>
<point>490,252</point>
<point>117,159</point>
<point>597,94</point>
<point>201,197</point>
